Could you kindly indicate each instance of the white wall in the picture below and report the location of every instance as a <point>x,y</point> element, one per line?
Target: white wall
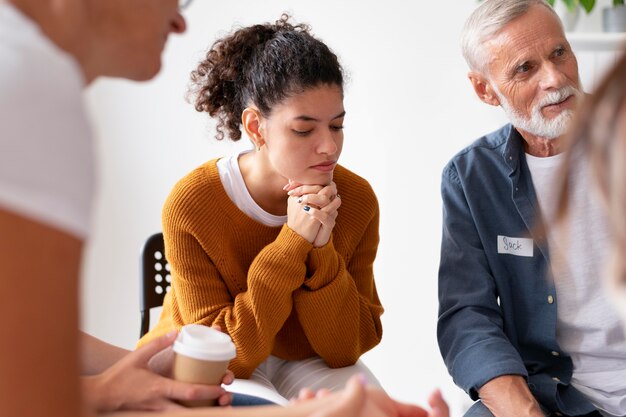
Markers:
<point>409,109</point>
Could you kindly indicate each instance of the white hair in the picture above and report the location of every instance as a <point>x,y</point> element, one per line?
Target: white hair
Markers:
<point>487,20</point>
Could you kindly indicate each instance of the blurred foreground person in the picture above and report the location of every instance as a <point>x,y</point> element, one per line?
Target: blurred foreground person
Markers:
<point>598,148</point>
<point>49,51</point>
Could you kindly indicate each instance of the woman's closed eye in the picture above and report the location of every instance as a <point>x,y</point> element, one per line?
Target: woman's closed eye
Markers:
<point>305,132</point>
<point>301,132</point>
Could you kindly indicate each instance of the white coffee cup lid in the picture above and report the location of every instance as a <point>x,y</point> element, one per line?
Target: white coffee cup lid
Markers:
<point>205,343</point>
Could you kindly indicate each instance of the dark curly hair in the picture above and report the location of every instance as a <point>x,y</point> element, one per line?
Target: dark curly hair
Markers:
<point>261,65</point>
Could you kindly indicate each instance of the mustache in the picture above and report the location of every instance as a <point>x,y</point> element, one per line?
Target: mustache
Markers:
<point>558,96</point>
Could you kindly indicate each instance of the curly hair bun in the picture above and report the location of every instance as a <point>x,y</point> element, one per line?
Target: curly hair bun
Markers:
<point>262,65</point>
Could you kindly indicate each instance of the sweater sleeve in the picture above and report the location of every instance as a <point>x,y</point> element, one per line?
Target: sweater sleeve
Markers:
<point>338,305</point>
<point>254,316</point>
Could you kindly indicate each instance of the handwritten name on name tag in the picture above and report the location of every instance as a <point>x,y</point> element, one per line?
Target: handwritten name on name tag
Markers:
<point>518,246</point>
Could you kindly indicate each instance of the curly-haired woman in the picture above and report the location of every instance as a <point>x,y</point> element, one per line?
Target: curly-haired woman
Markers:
<point>261,243</point>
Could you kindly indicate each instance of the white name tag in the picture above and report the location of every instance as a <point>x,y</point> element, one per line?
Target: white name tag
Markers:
<point>518,246</point>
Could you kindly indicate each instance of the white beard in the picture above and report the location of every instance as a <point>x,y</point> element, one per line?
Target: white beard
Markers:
<point>537,124</point>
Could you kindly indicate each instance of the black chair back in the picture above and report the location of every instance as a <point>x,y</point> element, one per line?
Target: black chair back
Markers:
<point>155,278</point>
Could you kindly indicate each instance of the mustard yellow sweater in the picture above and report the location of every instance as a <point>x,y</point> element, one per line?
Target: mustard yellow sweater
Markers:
<point>267,287</point>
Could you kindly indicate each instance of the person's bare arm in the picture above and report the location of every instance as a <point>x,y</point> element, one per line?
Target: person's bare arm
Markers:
<point>39,349</point>
<point>98,355</point>
<point>130,384</point>
<point>508,393</point>
<point>39,352</point>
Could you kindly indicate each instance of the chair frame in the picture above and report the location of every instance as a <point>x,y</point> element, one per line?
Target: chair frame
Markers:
<point>155,278</point>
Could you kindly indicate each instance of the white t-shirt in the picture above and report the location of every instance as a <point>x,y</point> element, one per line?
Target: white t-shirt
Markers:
<point>235,187</point>
<point>588,325</point>
<point>46,157</point>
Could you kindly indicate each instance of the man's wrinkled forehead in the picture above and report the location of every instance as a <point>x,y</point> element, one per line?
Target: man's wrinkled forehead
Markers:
<point>522,38</point>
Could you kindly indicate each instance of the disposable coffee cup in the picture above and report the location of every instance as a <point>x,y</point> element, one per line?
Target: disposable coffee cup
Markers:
<point>202,357</point>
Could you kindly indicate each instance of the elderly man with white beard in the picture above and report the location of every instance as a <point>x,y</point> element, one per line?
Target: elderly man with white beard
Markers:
<point>524,337</point>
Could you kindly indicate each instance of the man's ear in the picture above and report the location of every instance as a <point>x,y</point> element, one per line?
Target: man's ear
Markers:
<point>483,89</point>
<point>251,120</point>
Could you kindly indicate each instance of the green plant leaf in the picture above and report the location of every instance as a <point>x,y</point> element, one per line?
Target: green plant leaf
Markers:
<point>551,2</point>
<point>571,5</point>
<point>589,4</point>
<point>618,3</point>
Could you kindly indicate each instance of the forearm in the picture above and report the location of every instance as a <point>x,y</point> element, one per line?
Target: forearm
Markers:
<point>341,303</point>
<point>351,319</point>
<point>341,310</point>
<point>508,393</point>
<point>97,355</point>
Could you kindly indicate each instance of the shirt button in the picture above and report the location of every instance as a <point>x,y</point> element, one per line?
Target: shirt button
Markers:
<point>510,158</point>
<point>556,379</point>
<point>550,299</point>
<point>555,353</point>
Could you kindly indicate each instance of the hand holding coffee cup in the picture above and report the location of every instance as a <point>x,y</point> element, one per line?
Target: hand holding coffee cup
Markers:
<point>202,357</point>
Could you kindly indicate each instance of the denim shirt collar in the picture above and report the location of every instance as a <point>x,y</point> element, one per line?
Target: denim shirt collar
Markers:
<point>513,151</point>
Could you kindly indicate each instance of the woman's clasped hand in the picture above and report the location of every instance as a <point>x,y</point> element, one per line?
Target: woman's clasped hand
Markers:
<point>312,211</point>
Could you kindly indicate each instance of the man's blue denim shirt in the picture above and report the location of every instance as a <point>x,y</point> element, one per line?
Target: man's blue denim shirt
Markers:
<point>497,304</point>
